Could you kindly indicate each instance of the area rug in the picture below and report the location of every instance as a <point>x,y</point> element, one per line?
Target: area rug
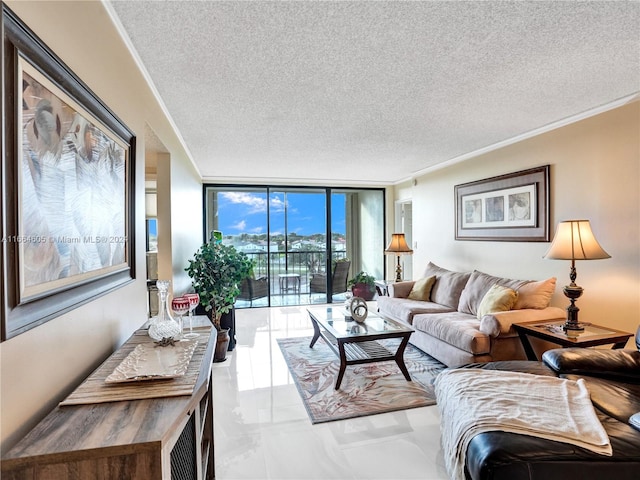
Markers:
<point>366,389</point>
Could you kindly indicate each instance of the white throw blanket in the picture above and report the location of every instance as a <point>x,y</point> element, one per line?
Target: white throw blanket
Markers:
<point>472,401</point>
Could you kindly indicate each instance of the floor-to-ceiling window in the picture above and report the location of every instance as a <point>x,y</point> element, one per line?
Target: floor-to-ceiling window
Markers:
<point>301,239</point>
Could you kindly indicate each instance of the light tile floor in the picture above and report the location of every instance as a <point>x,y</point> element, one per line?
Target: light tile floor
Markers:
<point>262,430</point>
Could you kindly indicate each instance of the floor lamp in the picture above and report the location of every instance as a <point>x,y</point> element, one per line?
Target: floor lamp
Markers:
<point>573,241</point>
<point>398,246</point>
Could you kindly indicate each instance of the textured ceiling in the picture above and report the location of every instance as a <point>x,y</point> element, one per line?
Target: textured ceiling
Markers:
<point>374,92</point>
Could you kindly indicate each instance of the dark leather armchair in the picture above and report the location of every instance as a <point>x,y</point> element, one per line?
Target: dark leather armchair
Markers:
<point>318,283</point>
<point>613,380</point>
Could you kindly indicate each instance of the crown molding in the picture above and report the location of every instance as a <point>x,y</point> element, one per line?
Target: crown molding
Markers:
<point>147,77</point>
<point>532,133</point>
<point>319,182</point>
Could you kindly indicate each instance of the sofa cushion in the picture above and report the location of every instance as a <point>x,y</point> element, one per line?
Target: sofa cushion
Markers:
<point>477,287</point>
<point>497,299</point>
<point>403,309</point>
<point>400,289</point>
<point>535,294</point>
<point>421,289</point>
<point>458,329</point>
<point>448,286</point>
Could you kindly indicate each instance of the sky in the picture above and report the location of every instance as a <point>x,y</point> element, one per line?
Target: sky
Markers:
<point>246,212</point>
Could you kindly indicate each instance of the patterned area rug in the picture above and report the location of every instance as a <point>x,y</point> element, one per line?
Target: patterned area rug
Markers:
<point>366,389</point>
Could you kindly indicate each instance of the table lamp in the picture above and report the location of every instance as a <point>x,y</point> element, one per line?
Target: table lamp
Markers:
<point>573,241</point>
<point>398,246</point>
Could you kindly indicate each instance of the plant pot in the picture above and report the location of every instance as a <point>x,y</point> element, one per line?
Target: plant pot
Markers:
<point>220,353</point>
<point>227,321</point>
<point>363,291</point>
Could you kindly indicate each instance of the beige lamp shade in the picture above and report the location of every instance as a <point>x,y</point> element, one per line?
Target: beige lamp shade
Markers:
<point>398,245</point>
<point>574,240</point>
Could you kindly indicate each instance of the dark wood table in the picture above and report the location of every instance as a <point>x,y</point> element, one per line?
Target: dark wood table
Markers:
<point>355,343</point>
<point>552,331</point>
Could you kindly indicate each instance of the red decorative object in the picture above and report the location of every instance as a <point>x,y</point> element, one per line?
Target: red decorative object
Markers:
<point>363,290</point>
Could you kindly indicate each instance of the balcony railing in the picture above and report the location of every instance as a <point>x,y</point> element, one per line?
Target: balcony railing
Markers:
<point>300,262</point>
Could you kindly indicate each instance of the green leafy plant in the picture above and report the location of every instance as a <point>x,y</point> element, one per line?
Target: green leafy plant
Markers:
<point>362,278</point>
<point>216,272</point>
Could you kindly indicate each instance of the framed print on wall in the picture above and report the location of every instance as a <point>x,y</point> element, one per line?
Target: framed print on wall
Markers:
<point>68,191</point>
<point>509,208</point>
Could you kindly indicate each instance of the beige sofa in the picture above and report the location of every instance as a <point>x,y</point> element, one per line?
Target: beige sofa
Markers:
<point>446,321</point>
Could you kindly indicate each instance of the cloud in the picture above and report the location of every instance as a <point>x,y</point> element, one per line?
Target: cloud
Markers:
<point>256,203</point>
<point>240,226</point>
<point>277,204</point>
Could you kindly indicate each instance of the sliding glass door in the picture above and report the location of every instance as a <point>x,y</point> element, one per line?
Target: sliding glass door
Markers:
<point>297,225</point>
<point>241,214</point>
<point>306,242</point>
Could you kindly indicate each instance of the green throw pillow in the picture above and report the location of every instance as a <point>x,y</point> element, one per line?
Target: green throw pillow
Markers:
<point>421,289</point>
<point>497,299</point>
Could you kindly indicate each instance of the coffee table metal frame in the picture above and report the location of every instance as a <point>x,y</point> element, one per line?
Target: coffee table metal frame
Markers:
<point>358,345</point>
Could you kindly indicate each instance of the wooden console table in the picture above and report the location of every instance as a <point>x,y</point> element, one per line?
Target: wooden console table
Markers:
<point>166,437</point>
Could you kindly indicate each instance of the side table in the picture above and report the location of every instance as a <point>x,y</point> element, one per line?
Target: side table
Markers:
<point>289,281</point>
<point>382,287</point>
<point>552,331</point>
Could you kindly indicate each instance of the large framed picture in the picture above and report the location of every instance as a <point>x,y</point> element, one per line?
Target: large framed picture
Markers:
<point>511,208</point>
<point>68,190</point>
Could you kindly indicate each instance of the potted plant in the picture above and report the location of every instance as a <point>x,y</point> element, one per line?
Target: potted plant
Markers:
<point>363,285</point>
<point>216,272</point>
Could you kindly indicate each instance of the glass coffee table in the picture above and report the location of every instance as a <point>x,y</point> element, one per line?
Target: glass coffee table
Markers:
<point>355,343</point>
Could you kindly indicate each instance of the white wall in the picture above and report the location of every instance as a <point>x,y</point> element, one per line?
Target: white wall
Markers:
<point>186,222</point>
<point>179,202</point>
<point>595,175</point>
<point>40,367</point>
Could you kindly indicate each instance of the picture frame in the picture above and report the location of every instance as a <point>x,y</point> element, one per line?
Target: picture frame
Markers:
<point>68,212</point>
<point>509,208</point>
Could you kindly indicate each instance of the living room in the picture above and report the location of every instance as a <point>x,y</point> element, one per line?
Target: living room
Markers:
<point>594,174</point>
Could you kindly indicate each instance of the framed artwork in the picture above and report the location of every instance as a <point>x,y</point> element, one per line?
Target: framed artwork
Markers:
<point>68,191</point>
<point>511,208</point>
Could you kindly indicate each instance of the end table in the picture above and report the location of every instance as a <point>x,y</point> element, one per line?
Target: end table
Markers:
<point>552,331</point>
<point>382,287</point>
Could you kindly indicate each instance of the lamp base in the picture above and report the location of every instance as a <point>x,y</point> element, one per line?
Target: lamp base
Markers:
<point>398,274</point>
<point>398,271</point>
<point>572,326</point>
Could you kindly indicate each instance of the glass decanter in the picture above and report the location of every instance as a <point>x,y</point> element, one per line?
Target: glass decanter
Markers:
<point>163,325</point>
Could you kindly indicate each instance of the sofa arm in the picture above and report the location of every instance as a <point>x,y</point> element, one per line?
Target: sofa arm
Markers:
<point>400,289</point>
<point>499,323</point>
<point>623,365</point>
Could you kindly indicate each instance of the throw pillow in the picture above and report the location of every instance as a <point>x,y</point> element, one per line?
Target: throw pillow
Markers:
<point>421,289</point>
<point>476,288</point>
<point>535,294</point>
<point>448,286</point>
<point>497,299</point>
